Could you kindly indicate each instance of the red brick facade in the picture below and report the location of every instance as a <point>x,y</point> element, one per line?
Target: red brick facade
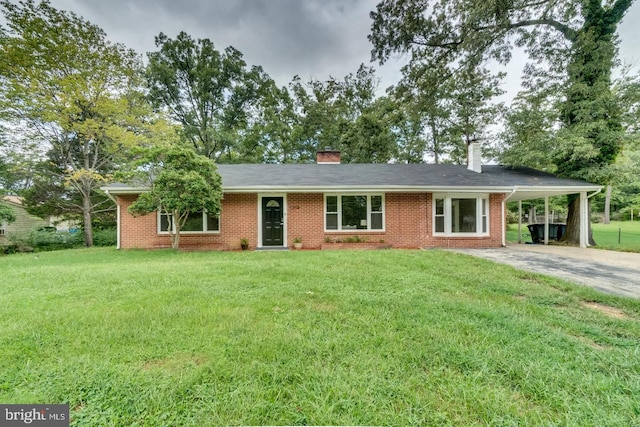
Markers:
<point>408,224</point>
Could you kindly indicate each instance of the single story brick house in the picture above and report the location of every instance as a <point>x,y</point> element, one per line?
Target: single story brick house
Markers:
<point>333,205</point>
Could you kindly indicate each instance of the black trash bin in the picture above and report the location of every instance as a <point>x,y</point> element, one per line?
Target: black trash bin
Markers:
<point>556,231</point>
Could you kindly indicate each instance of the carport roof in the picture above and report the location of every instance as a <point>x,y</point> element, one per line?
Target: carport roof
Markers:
<point>520,183</point>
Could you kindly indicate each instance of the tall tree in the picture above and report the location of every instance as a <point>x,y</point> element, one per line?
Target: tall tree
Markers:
<point>344,114</point>
<point>65,85</point>
<point>213,94</point>
<point>529,132</point>
<point>576,39</point>
<point>451,113</point>
<point>186,183</point>
<point>269,138</point>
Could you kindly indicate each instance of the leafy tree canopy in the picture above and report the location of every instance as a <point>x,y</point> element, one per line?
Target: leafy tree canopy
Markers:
<point>443,119</point>
<point>211,93</point>
<point>575,40</point>
<point>344,114</point>
<point>65,86</point>
<point>7,214</point>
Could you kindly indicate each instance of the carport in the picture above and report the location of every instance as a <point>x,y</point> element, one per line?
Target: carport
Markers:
<point>520,195</point>
<point>540,185</point>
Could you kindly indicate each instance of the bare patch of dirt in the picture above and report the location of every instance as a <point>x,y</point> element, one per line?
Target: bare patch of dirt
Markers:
<point>614,312</point>
<point>590,343</point>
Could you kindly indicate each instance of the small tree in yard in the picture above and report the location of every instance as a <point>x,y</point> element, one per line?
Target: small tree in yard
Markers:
<point>187,183</point>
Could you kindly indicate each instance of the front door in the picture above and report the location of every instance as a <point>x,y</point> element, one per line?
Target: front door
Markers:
<point>272,221</point>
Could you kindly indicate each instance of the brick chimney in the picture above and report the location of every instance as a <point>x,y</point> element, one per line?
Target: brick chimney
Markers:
<point>328,157</point>
<point>474,157</point>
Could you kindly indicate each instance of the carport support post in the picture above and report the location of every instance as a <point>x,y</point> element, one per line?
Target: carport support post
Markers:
<point>584,218</point>
<point>520,221</point>
<point>546,220</point>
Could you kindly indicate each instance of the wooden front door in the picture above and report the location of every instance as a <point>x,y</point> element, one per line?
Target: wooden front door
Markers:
<point>272,221</point>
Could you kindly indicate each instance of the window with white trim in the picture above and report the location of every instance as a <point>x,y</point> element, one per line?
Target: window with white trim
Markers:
<point>461,215</point>
<point>363,212</point>
<point>197,222</point>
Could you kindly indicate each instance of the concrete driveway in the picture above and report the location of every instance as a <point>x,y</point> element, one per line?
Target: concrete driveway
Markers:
<point>607,271</point>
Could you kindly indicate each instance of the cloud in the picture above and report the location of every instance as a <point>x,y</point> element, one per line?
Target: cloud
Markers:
<point>310,38</point>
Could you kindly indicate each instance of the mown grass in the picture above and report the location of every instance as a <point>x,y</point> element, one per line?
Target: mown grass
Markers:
<point>628,232</point>
<point>605,235</point>
<point>309,337</point>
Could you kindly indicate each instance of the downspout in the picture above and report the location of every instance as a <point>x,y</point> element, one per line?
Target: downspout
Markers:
<point>504,210</point>
<point>587,213</point>
<point>117,217</point>
<point>594,193</point>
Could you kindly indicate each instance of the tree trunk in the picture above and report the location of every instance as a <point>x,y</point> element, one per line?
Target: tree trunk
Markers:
<point>86,218</point>
<point>436,145</point>
<point>607,206</point>
<point>572,234</point>
<point>532,215</point>
<point>175,230</point>
<point>175,241</point>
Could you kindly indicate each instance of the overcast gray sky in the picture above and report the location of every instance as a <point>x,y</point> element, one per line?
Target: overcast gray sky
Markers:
<point>309,38</point>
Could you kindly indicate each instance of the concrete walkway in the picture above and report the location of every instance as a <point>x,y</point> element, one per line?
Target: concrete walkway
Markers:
<point>607,271</point>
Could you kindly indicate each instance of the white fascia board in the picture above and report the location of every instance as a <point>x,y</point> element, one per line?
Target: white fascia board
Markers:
<point>125,190</point>
<point>530,193</point>
<point>381,189</point>
<point>570,188</point>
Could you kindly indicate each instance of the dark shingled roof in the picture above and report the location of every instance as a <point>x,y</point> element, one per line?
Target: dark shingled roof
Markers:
<point>521,183</point>
<point>384,175</point>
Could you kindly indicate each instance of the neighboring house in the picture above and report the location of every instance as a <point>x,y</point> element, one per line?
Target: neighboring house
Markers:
<point>391,205</point>
<point>23,223</point>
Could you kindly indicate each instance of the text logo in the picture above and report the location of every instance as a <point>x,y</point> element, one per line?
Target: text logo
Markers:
<point>34,415</point>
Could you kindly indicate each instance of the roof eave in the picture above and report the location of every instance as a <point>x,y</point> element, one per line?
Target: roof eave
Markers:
<point>381,188</point>
<point>124,190</point>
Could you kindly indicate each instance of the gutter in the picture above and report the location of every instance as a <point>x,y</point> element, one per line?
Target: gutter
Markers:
<point>368,188</point>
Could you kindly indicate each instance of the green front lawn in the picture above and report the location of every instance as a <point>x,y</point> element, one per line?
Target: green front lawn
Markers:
<point>605,236</point>
<point>308,337</point>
